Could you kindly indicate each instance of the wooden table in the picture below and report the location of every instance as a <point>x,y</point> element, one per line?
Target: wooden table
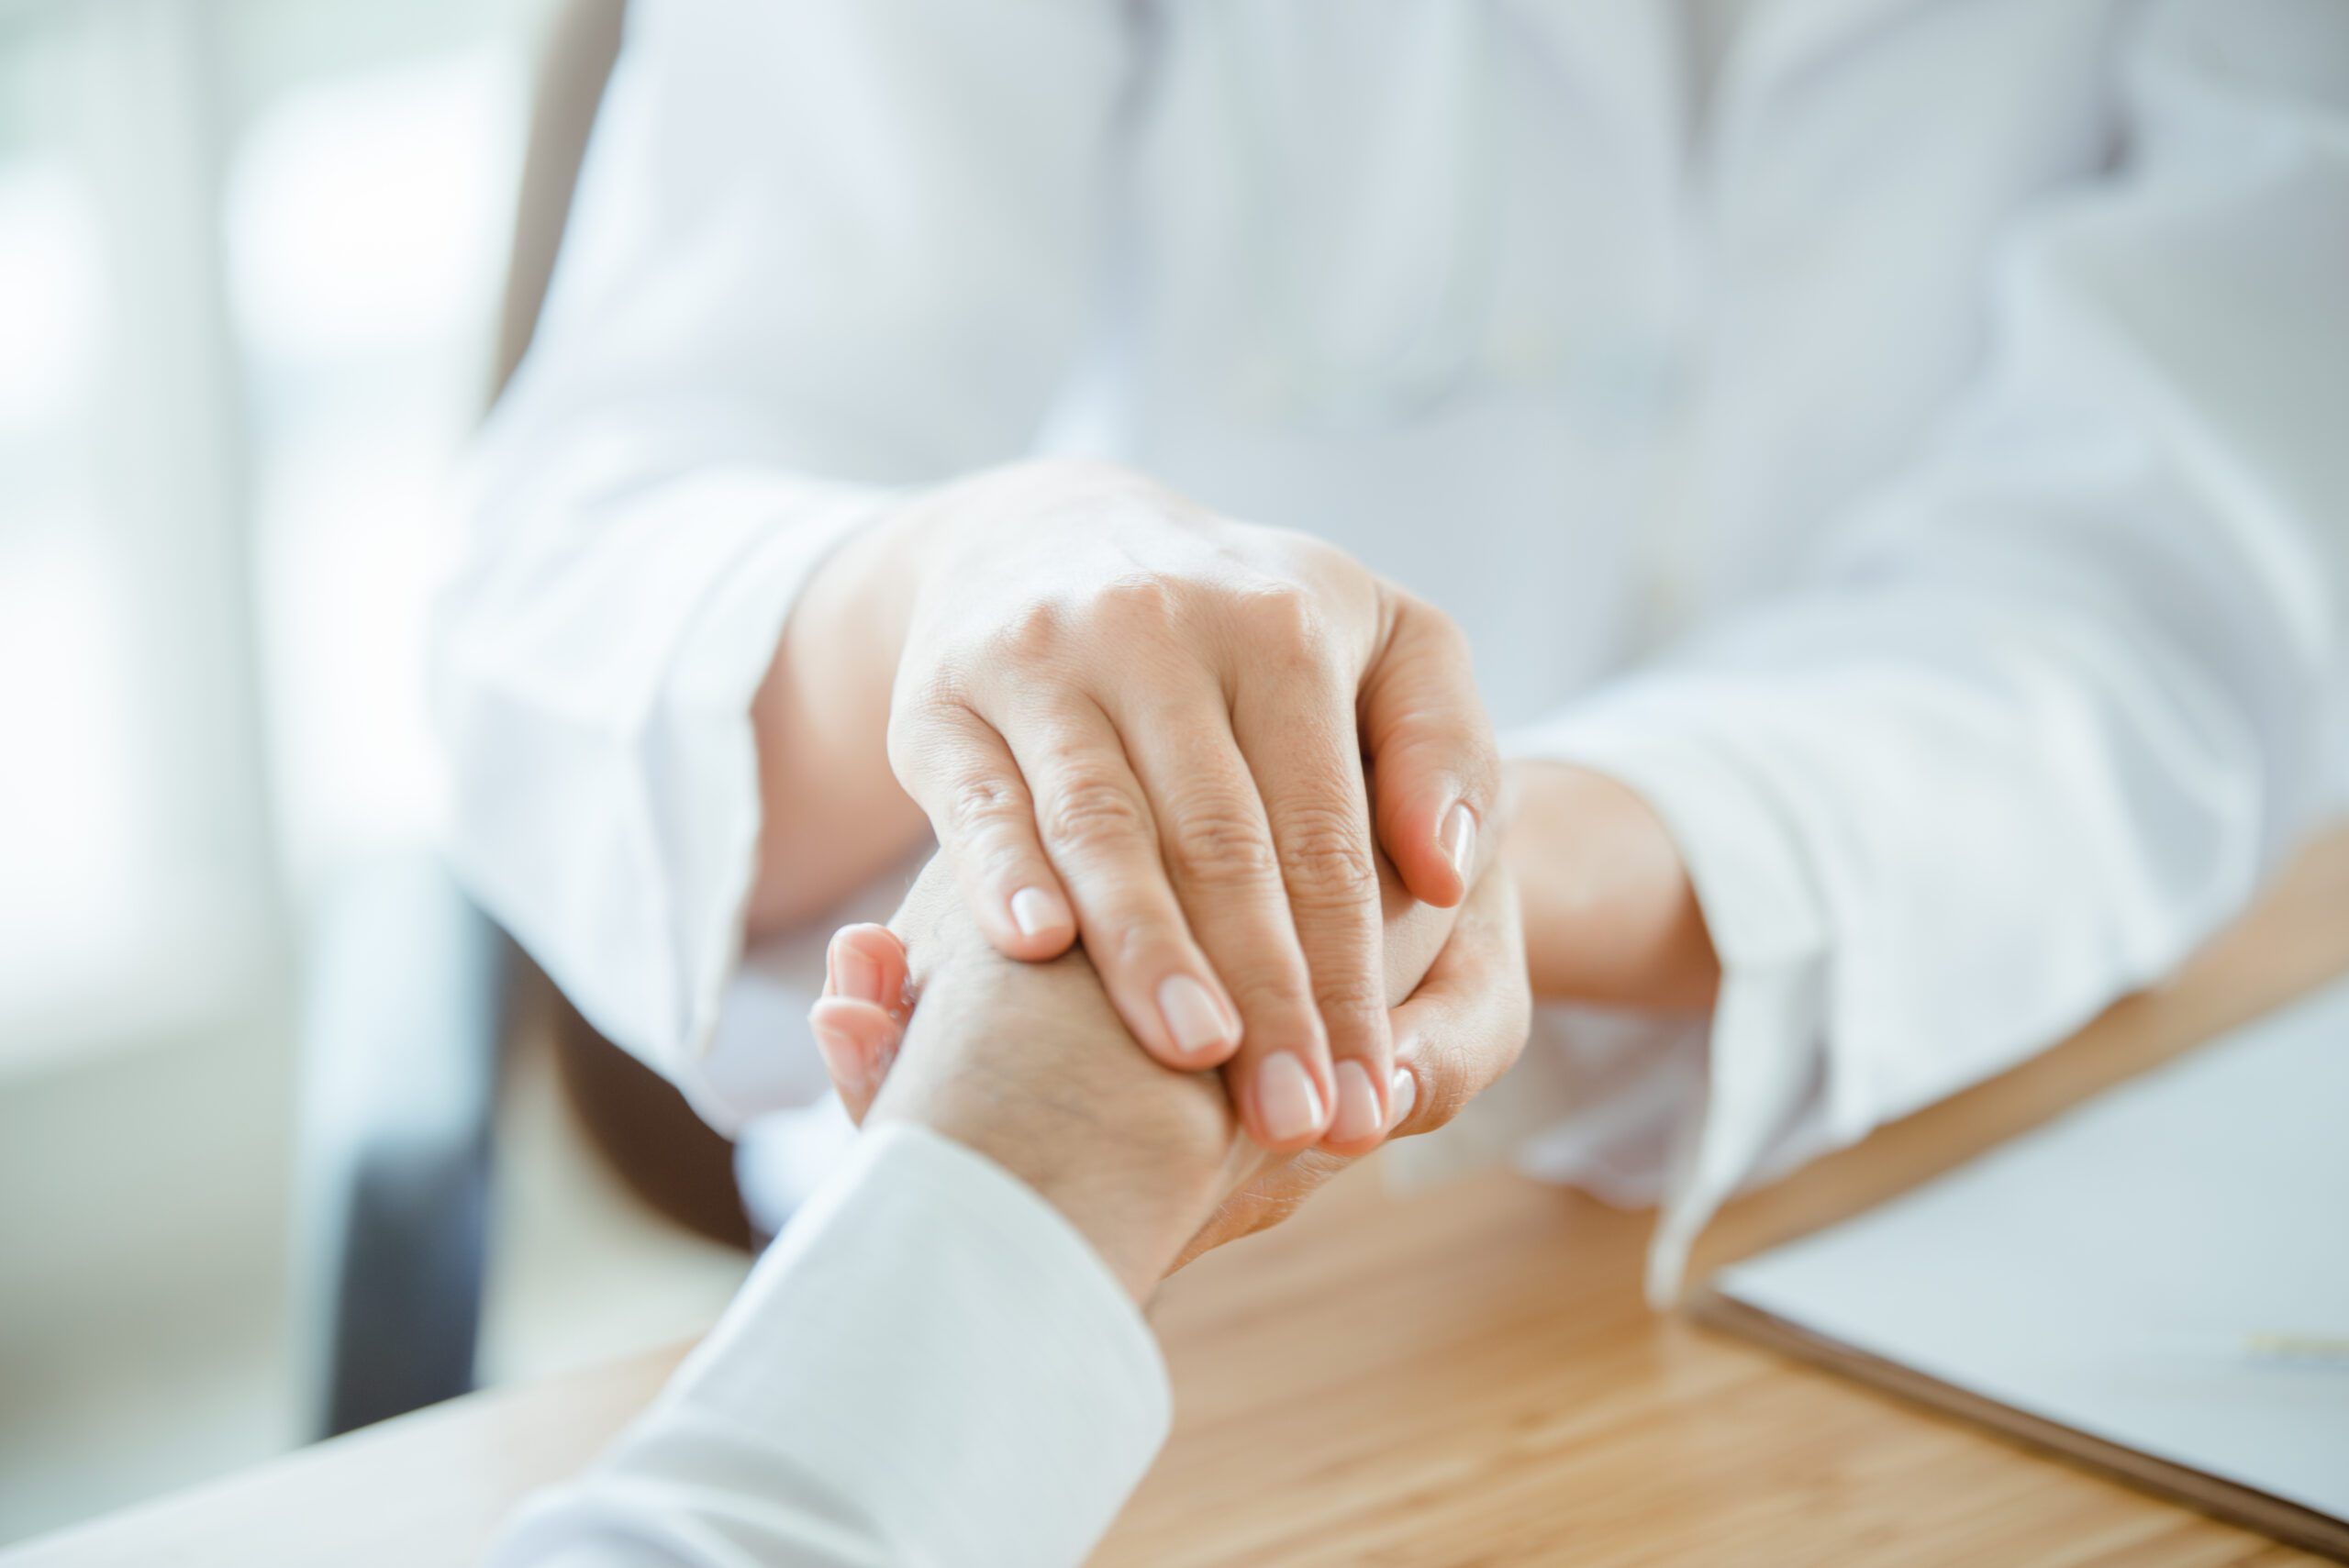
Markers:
<point>1468,1377</point>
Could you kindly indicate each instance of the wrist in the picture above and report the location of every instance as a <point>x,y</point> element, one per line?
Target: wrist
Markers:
<point>1610,913</point>
<point>1135,1194</point>
<point>871,584</point>
<point>1135,1219</point>
<point>831,815</point>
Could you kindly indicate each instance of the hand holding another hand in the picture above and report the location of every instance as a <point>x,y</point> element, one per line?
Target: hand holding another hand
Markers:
<point>1028,1065</point>
<point>1136,722</point>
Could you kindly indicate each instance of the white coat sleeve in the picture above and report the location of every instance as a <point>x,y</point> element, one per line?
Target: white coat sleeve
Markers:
<point>821,251</point>
<point>2058,695</point>
<point>929,1366</point>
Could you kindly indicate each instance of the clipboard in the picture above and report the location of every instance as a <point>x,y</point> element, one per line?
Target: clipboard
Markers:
<point>2286,1521</point>
<point>2106,1287</point>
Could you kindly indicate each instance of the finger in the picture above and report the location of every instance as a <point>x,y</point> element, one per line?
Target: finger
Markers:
<point>1437,768</point>
<point>866,962</point>
<point>1276,1192</point>
<point>1297,733</point>
<point>860,1021</point>
<point>959,772</point>
<point>1216,845</point>
<point>858,1041</point>
<point>1467,1022</point>
<point>1103,840</point>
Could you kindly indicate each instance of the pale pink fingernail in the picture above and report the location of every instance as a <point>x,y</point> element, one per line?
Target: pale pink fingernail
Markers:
<point>1193,1020</point>
<point>1402,1094</point>
<point>855,975</point>
<point>1035,912</point>
<point>1357,1115</point>
<point>1458,839</point>
<point>851,1064</point>
<point>1288,1103</point>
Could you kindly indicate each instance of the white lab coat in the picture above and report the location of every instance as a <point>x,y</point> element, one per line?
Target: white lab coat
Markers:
<point>930,1366</point>
<point>1918,467</point>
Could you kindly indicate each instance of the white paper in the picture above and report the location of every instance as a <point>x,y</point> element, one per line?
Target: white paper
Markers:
<point>2104,1270</point>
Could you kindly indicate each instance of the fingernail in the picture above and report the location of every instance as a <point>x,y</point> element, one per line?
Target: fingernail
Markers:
<point>855,975</point>
<point>1458,839</point>
<point>1402,1094</point>
<point>1286,1102</point>
<point>849,1063</point>
<point>1357,1115</point>
<point>1193,1020</point>
<point>1035,911</point>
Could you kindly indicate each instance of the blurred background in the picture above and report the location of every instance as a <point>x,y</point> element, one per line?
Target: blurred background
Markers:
<point>251,253</point>
<point>256,266</point>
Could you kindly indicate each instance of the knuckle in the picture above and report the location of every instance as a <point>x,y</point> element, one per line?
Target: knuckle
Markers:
<point>1222,843</point>
<point>1141,948</point>
<point>1036,634</point>
<point>1140,601</point>
<point>1312,560</point>
<point>1282,613</point>
<point>980,802</point>
<point>927,697</point>
<point>1328,863</point>
<point>920,731</point>
<point>1091,812</point>
<point>1287,635</point>
<point>1351,1002</point>
<point>1280,998</point>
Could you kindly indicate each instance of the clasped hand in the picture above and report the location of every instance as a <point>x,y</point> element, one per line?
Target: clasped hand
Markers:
<point>1206,793</point>
<point>1186,741</point>
<point>1030,1065</point>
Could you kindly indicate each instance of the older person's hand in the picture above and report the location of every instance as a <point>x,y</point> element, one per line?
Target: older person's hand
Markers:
<point>1136,722</point>
<point>1029,1065</point>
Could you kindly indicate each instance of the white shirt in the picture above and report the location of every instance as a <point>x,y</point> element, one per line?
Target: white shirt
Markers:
<point>929,1366</point>
<point>1925,486</point>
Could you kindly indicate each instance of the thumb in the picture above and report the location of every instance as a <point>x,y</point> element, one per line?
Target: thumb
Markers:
<point>860,1021</point>
<point>1435,769</point>
<point>1465,1025</point>
<point>858,1044</point>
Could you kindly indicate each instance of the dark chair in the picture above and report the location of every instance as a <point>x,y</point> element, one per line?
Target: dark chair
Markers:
<point>413,996</point>
<point>410,996</point>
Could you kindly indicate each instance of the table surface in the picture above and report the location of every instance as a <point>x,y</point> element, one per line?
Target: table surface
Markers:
<point>1466,1376</point>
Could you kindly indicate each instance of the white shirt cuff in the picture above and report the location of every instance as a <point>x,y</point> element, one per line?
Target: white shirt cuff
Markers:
<point>930,1366</point>
<point>607,809</point>
<point>1765,1054</point>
